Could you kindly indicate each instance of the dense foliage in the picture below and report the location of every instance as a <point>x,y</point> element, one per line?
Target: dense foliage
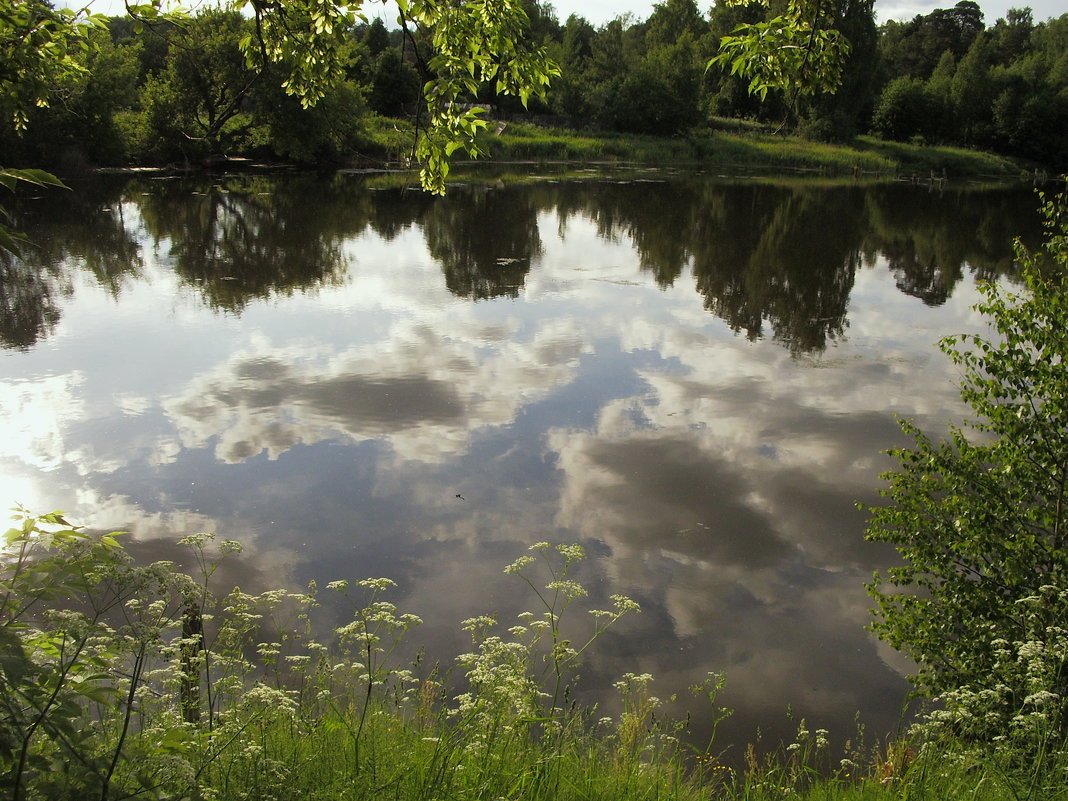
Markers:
<point>122,680</point>
<point>173,90</point>
<point>981,521</point>
<point>80,88</point>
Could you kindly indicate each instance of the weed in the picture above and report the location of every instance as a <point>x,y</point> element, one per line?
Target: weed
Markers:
<point>122,681</point>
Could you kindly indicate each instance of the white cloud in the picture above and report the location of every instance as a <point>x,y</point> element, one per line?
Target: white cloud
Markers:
<point>34,415</point>
<point>419,391</point>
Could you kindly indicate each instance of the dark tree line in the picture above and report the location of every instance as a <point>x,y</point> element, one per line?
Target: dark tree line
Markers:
<point>941,78</point>
<point>185,92</point>
<point>947,78</point>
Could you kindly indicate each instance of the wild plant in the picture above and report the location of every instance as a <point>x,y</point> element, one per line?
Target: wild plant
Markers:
<point>555,598</point>
<point>77,641</point>
<point>793,768</point>
<point>124,681</point>
<point>1014,726</point>
<point>709,765</point>
<point>195,653</point>
<point>637,732</point>
<point>367,644</point>
<point>519,685</point>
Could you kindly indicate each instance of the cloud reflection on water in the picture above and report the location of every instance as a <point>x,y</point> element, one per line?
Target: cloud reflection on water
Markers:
<point>370,419</point>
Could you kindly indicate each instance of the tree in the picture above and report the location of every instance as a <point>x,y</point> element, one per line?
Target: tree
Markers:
<point>904,110</point>
<point>196,105</point>
<point>972,94</point>
<point>376,38</point>
<point>941,125</point>
<point>542,25</point>
<point>644,103</point>
<point>395,84</point>
<point>845,113</point>
<point>40,46</point>
<point>646,78</point>
<point>980,519</point>
<point>672,19</point>
<point>914,48</point>
<point>1012,34</point>
<point>678,45</point>
<point>327,133</point>
<point>728,94</point>
<point>799,53</point>
<point>79,124</point>
<point>474,42</point>
<point>570,94</point>
<point>616,54</point>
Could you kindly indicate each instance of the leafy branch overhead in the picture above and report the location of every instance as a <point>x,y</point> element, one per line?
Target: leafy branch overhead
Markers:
<point>798,53</point>
<point>40,46</point>
<point>475,44</point>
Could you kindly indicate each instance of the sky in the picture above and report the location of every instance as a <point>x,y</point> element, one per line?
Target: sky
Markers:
<point>600,11</point>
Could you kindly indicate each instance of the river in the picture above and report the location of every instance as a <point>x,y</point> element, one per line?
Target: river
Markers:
<point>694,376</point>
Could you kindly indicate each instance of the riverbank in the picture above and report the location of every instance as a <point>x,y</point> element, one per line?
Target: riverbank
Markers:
<point>729,145</point>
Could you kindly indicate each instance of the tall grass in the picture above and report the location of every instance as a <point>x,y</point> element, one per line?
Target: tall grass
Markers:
<point>139,681</point>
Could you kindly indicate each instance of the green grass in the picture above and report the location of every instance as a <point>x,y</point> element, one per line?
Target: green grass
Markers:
<point>955,160</point>
<point>131,699</point>
<point>387,139</point>
<point>730,145</point>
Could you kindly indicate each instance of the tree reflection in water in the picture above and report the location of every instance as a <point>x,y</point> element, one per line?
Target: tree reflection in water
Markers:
<point>29,309</point>
<point>485,239</point>
<point>85,230</point>
<point>765,257</point>
<point>239,239</point>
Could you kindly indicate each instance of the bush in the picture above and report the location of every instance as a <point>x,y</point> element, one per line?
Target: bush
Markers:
<point>981,522</point>
<point>905,109</point>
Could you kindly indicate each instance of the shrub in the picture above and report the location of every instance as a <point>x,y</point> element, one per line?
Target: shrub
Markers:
<point>981,522</point>
<point>904,110</point>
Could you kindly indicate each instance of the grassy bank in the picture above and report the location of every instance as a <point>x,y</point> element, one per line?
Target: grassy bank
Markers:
<point>732,146</point>
<point>125,681</point>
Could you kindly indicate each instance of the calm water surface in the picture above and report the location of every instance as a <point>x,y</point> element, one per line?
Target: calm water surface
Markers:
<point>694,377</point>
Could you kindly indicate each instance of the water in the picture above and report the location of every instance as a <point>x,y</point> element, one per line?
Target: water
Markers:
<point>693,376</point>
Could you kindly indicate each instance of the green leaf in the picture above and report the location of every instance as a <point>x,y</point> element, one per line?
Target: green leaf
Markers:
<point>13,660</point>
<point>10,241</point>
<point>979,517</point>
